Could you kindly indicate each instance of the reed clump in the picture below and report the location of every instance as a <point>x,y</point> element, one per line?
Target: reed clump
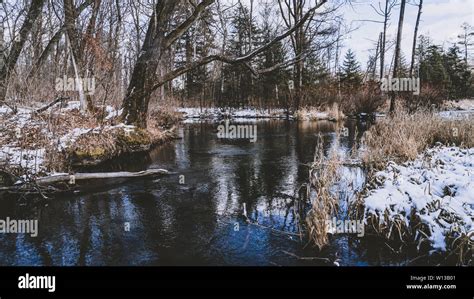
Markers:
<point>404,136</point>
<point>323,174</point>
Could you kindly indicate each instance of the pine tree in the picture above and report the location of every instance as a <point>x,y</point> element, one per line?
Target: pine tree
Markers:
<point>403,66</point>
<point>197,42</point>
<point>244,35</point>
<point>432,67</point>
<point>350,73</point>
<point>458,73</point>
<point>315,71</point>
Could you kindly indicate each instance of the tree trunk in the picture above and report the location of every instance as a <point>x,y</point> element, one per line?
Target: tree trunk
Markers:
<point>54,40</point>
<point>397,52</point>
<point>376,57</point>
<point>78,47</point>
<point>135,104</point>
<point>384,39</point>
<point>414,38</point>
<point>17,45</point>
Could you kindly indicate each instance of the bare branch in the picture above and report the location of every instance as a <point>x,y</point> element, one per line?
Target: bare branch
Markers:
<point>181,29</point>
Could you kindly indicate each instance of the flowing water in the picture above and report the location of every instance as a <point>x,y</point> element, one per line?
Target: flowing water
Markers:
<point>201,221</point>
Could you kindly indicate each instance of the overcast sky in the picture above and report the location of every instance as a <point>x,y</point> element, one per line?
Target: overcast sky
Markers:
<point>440,19</point>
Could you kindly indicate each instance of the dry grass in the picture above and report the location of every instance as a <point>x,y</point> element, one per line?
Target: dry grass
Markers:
<point>403,136</point>
<point>163,116</point>
<point>331,112</point>
<point>366,99</point>
<point>323,174</point>
<point>104,140</point>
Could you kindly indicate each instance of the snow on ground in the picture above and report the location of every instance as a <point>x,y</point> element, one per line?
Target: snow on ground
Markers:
<point>13,126</point>
<point>112,112</point>
<point>464,104</point>
<point>216,113</point>
<point>438,187</point>
<point>457,114</point>
<point>458,109</point>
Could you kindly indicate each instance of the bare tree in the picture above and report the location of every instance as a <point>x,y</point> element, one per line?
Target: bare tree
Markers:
<point>385,12</point>
<point>158,41</point>
<point>54,40</point>
<point>466,39</point>
<point>77,42</point>
<point>397,52</point>
<point>415,35</point>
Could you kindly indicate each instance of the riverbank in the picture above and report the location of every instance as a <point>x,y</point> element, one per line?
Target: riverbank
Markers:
<point>61,138</point>
<point>420,188</point>
<point>428,202</point>
<point>332,113</point>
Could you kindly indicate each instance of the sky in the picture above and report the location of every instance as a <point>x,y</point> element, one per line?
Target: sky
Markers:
<point>440,19</point>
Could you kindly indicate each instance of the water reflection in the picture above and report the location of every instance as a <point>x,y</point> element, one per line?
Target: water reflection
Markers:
<point>199,222</point>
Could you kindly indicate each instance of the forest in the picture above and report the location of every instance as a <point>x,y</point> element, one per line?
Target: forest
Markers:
<point>120,92</point>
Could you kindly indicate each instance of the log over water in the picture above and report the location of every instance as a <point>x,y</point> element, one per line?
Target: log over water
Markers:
<point>71,182</point>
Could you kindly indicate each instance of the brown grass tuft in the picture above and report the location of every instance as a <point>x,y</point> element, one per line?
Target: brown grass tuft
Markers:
<point>403,136</point>
<point>323,173</point>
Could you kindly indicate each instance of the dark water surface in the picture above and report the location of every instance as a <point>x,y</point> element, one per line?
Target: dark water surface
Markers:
<point>199,222</point>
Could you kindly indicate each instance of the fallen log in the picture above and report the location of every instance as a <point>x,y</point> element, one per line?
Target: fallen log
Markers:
<point>72,182</point>
<point>71,178</point>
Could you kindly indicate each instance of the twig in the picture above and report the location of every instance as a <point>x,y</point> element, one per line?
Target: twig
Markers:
<point>309,258</point>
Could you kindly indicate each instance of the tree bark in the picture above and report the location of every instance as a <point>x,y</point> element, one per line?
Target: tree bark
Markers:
<point>17,45</point>
<point>55,39</point>
<point>384,38</point>
<point>414,38</point>
<point>135,104</point>
<point>78,46</point>
<point>397,52</point>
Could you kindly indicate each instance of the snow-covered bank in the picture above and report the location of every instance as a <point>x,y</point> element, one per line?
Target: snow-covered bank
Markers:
<point>464,104</point>
<point>458,109</point>
<point>218,113</point>
<point>436,190</point>
<point>29,140</point>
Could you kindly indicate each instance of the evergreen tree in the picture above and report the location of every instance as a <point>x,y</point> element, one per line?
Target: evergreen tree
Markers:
<point>432,67</point>
<point>197,42</point>
<point>403,67</point>
<point>350,73</point>
<point>458,73</point>
<point>244,36</point>
<point>315,70</point>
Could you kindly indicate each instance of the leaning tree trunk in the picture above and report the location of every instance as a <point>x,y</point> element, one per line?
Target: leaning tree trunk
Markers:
<point>157,44</point>
<point>2,62</point>
<point>135,103</point>
<point>78,48</point>
<point>397,52</point>
<point>17,45</point>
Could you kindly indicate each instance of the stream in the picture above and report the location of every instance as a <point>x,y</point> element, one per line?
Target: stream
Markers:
<point>195,216</point>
